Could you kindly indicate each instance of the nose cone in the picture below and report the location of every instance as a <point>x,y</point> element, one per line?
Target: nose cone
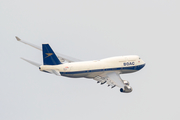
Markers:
<point>139,67</point>
<point>142,62</point>
<point>143,65</point>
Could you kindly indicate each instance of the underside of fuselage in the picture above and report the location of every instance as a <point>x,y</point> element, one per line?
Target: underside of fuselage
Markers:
<point>94,73</point>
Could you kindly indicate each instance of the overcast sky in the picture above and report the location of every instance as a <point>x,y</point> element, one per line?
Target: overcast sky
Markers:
<point>90,30</point>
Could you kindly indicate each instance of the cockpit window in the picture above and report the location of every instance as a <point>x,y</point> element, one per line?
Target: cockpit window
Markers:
<point>139,58</point>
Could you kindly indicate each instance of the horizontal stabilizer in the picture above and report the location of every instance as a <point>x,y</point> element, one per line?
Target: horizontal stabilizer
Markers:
<point>56,72</point>
<point>31,62</point>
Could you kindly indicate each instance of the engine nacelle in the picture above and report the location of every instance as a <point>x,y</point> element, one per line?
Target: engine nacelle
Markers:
<point>126,82</point>
<point>126,89</point>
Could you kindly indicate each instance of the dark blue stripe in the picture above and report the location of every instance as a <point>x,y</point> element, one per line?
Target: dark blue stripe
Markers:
<point>108,69</point>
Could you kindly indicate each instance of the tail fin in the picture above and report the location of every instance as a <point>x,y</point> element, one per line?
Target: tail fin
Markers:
<point>49,57</point>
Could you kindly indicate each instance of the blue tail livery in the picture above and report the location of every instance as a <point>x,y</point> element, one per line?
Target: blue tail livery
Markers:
<point>49,57</point>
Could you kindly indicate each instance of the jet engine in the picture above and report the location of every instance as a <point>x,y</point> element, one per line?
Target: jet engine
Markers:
<point>126,89</point>
<point>126,82</point>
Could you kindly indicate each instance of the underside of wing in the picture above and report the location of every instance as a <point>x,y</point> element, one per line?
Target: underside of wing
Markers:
<point>61,57</point>
<point>114,80</point>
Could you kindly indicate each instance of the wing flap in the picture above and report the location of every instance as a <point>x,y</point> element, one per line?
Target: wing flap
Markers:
<point>100,79</point>
<point>112,79</point>
<point>115,78</point>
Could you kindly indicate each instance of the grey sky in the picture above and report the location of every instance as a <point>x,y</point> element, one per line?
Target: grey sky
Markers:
<point>90,30</point>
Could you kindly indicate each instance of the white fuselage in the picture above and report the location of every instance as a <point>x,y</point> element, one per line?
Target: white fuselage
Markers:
<point>91,69</point>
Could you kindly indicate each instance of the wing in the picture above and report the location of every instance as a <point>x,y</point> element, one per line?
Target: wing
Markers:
<point>112,79</point>
<point>61,57</point>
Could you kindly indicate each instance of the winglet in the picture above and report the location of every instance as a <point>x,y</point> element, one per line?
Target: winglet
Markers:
<point>18,39</point>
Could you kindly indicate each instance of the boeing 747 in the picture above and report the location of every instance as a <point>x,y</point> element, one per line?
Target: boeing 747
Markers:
<point>106,70</point>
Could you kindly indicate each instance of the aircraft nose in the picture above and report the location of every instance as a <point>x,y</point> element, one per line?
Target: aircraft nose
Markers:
<point>143,65</point>
<point>142,62</point>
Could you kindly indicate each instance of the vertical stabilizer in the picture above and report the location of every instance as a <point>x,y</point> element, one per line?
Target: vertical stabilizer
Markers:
<point>49,57</point>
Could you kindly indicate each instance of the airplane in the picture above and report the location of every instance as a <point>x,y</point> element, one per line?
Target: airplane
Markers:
<point>103,71</point>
